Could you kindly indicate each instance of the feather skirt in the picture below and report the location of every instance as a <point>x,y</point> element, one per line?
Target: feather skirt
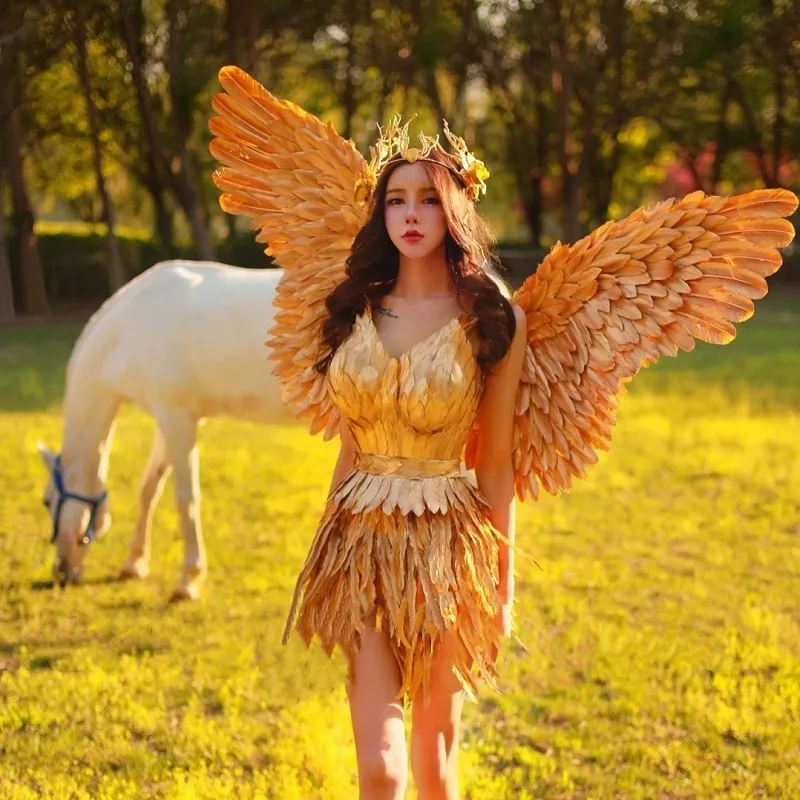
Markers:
<point>420,557</point>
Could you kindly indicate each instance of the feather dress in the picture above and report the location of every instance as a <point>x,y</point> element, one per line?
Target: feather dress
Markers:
<point>406,538</point>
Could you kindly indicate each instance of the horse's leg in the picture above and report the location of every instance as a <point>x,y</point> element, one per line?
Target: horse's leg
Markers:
<point>180,438</point>
<point>150,487</point>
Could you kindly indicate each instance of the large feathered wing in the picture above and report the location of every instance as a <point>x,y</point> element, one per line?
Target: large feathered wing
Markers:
<point>600,310</point>
<point>296,178</point>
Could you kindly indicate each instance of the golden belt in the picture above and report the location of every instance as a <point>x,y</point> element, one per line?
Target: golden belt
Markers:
<point>407,467</point>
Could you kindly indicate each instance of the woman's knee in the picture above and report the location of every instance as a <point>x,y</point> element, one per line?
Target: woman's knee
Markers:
<point>383,773</point>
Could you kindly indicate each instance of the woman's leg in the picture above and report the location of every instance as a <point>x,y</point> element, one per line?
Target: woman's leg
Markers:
<point>377,719</point>
<point>435,730</point>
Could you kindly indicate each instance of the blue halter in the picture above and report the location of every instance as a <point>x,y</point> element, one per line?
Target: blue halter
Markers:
<point>63,494</point>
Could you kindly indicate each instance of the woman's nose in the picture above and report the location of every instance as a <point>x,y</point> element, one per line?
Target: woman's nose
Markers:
<point>411,212</point>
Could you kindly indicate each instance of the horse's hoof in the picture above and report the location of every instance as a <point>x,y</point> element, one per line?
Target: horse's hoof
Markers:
<point>184,592</point>
<point>133,572</point>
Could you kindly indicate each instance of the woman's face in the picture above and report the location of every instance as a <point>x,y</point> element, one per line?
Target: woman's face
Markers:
<point>413,212</point>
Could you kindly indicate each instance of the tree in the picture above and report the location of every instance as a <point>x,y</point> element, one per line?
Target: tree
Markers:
<point>187,76</point>
<point>723,90</point>
<point>184,49</point>
<point>7,312</point>
<point>116,268</point>
<point>18,25</point>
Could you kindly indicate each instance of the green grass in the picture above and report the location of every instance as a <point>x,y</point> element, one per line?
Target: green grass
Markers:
<point>663,630</point>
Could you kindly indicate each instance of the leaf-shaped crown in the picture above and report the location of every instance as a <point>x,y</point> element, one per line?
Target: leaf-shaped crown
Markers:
<point>394,141</point>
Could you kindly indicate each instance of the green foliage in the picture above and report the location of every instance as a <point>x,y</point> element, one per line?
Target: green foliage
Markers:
<point>707,90</point>
<point>662,629</point>
<point>58,144</point>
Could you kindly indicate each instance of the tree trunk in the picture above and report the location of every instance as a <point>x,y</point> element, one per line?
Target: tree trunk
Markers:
<point>242,30</point>
<point>539,171</point>
<point>348,98</point>
<point>386,88</point>
<point>756,144</point>
<point>590,157</point>
<point>33,295</point>
<point>617,37</point>
<point>563,85</point>
<point>690,159</point>
<point>6,288</point>
<point>183,180</point>
<point>722,143</point>
<point>425,65</point>
<point>533,210</point>
<point>460,78</point>
<point>794,66</point>
<point>434,95</point>
<point>527,173</point>
<point>778,124</point>
<point>116,268</point>
<point>526,136</point>
<point>528,177</point>
<point>184,190</point>
<point>153,151</point>
<point>164,222</point>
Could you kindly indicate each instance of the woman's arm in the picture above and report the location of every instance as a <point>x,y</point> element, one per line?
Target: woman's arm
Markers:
<point>493,466</point>
<point>346,456</point>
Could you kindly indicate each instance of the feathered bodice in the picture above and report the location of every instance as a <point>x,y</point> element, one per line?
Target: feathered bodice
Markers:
<point>421,405</point>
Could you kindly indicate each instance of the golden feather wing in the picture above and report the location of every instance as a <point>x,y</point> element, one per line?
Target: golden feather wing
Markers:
<point>600,310</point>
<point>296,178</point>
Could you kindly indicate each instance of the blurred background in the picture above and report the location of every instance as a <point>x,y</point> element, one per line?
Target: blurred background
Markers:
<point>582,110</point>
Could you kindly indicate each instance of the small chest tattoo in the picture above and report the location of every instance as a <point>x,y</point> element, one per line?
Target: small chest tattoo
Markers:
<point>386,312</point>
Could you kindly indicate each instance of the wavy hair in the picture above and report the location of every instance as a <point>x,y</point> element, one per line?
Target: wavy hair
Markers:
<point>373,264</point>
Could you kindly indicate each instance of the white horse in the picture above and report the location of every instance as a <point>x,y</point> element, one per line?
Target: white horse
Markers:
<point>183,341</point>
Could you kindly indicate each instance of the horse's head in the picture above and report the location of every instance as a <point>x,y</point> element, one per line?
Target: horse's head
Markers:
<point>78,508</point>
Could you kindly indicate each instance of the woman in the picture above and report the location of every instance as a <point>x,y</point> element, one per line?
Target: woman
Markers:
<point>389,332</point>
<point>421,344</point>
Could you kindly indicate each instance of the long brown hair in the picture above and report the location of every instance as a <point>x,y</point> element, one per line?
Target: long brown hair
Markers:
<point>373,265</point>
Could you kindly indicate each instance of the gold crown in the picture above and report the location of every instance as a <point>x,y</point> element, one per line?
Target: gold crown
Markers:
<point>394,141</point>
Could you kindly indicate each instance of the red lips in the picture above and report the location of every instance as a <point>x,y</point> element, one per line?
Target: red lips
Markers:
<point>412,236</point>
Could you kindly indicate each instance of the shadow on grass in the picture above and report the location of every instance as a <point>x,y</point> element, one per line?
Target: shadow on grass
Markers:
<point>50,586</point>
<point>42,662</point>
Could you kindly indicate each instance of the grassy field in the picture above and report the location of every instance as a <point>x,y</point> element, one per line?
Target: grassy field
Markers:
<point>663,630</point>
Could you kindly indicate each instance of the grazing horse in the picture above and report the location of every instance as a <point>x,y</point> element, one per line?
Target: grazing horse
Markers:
<point>182,341</point>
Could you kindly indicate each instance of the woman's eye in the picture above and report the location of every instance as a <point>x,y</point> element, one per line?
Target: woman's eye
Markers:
<point>432,200</point>
<point>393,201</point>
